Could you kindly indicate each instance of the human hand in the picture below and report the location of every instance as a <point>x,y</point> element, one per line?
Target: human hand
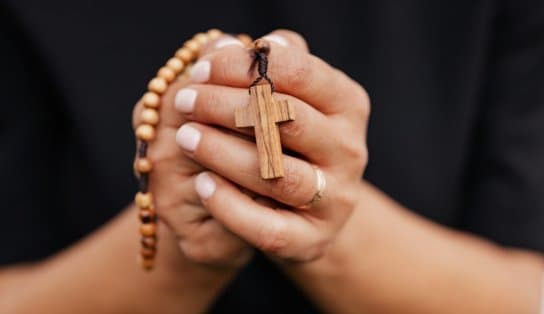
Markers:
<point>172,182</point>
<point>329,132</point>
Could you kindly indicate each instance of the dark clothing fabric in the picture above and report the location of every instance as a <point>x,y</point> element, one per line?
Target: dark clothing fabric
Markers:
<point>456,134</point>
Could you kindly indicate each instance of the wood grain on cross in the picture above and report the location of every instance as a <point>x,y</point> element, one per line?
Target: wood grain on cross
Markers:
<point>263,114</point>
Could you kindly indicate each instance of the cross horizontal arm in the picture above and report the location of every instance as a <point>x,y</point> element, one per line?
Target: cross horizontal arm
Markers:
<point>285,111</point>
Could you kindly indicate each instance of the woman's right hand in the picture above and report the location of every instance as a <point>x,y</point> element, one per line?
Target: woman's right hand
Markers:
<point>173,182</point>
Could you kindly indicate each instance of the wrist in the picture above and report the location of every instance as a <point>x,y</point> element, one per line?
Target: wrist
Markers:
<point>335,269</point>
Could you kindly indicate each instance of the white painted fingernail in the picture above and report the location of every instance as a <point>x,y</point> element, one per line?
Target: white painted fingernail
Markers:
<point>277,39</point>
<point>228,41</point>
<point>188,137</point>
<point>204,185</point>
<point>200,72</point>
<point>185,100</point>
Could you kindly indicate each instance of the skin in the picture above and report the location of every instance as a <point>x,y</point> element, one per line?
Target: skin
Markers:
<point>339,251</point>
<point>410,266</point>
<point>100,275</point>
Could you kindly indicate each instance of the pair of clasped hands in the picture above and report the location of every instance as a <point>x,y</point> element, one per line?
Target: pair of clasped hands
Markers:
<point>206,178</point>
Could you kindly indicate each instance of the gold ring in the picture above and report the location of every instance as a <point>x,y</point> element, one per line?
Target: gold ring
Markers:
<point>321,184</point>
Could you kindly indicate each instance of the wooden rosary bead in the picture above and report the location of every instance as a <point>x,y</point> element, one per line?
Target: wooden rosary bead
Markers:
<point>245,39</point>
<point>192,45</point>
<point>143,165</point>
<point>151,100</point>
<point>176,65</point>
<point>150,116</point>
<point>148,230</point>
<point>143,200</point>
<point>158,85</point>
<point>146,263</point>
<point>214,33</point>
<point>202,38</point>
<point>145,132</point>
<point>167,74</point>
<point>185,55</point>
<point>150,242</point>
<point>147,252</point>
<point>147,215</point>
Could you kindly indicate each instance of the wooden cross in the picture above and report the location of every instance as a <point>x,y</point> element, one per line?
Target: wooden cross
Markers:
<point>263,113</point>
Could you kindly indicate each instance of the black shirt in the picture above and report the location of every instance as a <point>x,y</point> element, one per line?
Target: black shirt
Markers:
<point>456,133</point>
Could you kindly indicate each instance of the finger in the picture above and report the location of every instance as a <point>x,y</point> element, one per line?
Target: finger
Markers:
<point>172,184</point>
<point>210,243</point>
<point>284,37</point>
<point>237,160</point>
<point>158,109</point>
<point>201,238</point>
<point>175,200</point>
<point>281,37</point>
<point>166,115</point>
<point>276,231</point>
<point>310,134</point>
<point>224,41</point>
<point>293,71</point>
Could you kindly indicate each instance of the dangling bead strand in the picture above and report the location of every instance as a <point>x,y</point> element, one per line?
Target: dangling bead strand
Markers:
<point>146,132</point>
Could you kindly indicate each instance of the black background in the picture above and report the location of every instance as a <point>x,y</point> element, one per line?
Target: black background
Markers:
<point>456,134</point>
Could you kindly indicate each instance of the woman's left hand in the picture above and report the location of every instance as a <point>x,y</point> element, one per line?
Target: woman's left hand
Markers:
<point>329,132</point>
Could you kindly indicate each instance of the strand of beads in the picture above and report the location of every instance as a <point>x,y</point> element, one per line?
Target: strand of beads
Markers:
<point>145,133</point>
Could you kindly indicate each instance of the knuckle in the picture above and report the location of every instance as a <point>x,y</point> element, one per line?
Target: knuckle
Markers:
<point>205,104</point>
<point>290,184</point>
<point>159,151</point>
<point>296,76</point>
<point>166,206</point>
<point>273,237</point>
<point>211,100</point>
<point>221,62</point>
<point>357,153</point>
<point>204,249</point>
<point>314,251</point>
<point>293,36</point>
<point>172,203</point>
<point>293,129</point>
<point>225,62</point>
<point>210,154</point>
<point>363,101</point>
<point>196,252</point>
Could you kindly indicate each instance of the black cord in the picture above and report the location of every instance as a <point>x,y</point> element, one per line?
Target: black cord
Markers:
<point>260,58</point>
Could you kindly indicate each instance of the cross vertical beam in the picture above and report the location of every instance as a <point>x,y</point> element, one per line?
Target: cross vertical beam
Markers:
<point>263,113</point>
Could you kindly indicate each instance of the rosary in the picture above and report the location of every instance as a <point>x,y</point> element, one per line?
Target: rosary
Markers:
<point>263,113</point>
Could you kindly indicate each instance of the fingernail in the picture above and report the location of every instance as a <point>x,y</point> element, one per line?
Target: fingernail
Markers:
<point>228,41</point>
<point>185,100</point>
<point>200,72</point>
<point>277,39</point>
<point>204,185</point>
<point>188,137</point>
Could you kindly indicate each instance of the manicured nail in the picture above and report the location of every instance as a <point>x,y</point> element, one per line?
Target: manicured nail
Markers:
<point>204,185</point>
<point>185,100</point>
<point>228,41</point>
<point>200,72</point>
<point>188,137</point>
<point>277,39</point>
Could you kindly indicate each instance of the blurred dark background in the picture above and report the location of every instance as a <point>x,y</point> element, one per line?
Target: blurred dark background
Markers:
<point>456,134</point>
